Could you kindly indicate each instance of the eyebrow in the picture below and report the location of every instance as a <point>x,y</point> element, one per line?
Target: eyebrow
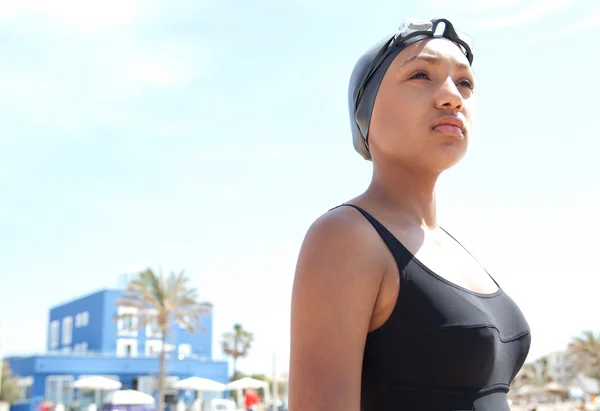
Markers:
<point>433,60</point>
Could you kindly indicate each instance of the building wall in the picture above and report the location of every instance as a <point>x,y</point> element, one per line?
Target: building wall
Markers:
<point>89,324</point>
<point>76,326</point>
<point>64,369</point>
<point>198,344</point>
<point>200,341</point>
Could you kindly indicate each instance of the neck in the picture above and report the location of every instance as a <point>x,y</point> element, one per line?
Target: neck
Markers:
<point>410,192</point>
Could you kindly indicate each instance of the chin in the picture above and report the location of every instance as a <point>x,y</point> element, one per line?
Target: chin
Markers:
<point>447,159</point>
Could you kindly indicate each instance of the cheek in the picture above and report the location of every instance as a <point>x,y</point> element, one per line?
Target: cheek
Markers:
<point>390,119</point>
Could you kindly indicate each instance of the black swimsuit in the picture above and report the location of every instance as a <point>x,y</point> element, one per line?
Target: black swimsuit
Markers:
<point>444,348</point>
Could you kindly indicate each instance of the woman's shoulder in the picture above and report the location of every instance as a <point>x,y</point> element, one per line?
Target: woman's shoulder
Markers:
<point>343,223</point>
<point>342,236</point>
<point>335,290</point>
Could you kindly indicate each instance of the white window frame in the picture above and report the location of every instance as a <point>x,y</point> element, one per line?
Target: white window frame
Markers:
<point>135,321</point>
<point>67,331</point>
<point>123,342</point>
<point>152,348</point>
<point>184,350</point>
<point>54,334</point>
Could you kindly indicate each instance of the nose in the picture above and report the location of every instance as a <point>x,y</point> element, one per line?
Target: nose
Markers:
<point>449,97</point>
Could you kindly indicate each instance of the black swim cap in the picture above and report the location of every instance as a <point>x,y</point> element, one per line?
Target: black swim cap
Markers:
<point>371,67</point>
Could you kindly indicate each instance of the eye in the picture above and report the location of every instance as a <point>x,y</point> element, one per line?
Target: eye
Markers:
<point>420,75</point>
<point>466,83</point>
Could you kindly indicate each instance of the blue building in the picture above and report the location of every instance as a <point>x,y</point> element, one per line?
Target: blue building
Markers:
<point>86,339</point>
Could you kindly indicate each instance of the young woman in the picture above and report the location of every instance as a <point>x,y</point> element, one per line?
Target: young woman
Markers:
<point>389,311</point>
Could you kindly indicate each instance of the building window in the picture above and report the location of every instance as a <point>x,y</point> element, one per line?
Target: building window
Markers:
<point>126,347</point>
<point>146,384</point>
<point>153,347</point>
<point>152,329</point>
<point>54,332</point>
<point>58,389</point>
<point>24,393</point>
<point>80,347</point>
<point>127,325</point>
<point>67,330</point>
<point>185,350</point>
<point>85,318</point>
<point>87,397</point>
<point>82,319</point>
<point>24,384</point>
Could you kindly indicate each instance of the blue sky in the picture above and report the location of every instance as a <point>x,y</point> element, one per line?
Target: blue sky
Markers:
<point>207,135</point>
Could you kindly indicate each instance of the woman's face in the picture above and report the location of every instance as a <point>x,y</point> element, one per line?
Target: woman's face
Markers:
<point>422,116</point>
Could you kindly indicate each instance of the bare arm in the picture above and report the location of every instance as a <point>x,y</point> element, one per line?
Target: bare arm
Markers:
<point>336,285</point>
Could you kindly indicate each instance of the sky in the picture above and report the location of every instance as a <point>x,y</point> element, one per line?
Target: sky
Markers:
<point>207,135</point>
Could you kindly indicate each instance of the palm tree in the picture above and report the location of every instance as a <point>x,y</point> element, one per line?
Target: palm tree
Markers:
<point>236,344</point>
<point>9,390</point>
<point>163,301</point>
<point>587,351</point>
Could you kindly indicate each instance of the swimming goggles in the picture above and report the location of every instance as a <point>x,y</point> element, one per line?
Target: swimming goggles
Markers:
<point>409,29</point>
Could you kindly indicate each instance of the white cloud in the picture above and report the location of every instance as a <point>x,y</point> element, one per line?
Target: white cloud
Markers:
<point>80,15</point>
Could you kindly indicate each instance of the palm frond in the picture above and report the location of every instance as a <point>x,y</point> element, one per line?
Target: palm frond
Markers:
<point>165,299</point>
<point>586,349</point>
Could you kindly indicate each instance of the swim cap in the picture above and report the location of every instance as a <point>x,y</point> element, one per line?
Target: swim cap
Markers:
<point>368,73</point>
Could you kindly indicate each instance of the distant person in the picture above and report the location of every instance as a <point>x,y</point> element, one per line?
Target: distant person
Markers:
<point>45,405</point>
<point>389,311</point>
<point>251,400</point>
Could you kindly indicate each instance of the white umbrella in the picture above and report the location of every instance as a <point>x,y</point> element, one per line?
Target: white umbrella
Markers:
<point>129,397</point>
<point>97,383</point>
<point>199,384</point>
<point>576,392</point>
<point>247,382</point>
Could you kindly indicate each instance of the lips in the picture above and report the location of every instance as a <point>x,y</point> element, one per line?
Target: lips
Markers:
<point>450,125</point>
